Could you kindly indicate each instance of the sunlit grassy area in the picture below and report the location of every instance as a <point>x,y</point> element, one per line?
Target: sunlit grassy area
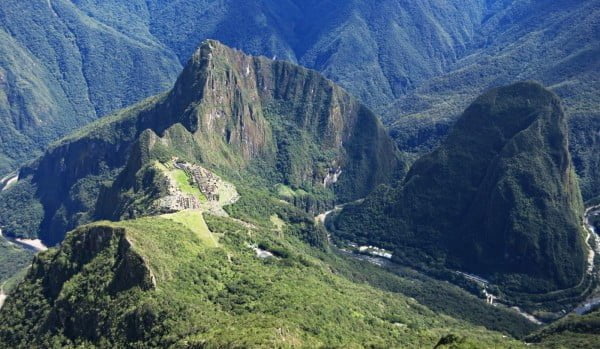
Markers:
<point>183,182</point>
<point>194,221</point>
<point>285,191</point>
<point>277,222</point>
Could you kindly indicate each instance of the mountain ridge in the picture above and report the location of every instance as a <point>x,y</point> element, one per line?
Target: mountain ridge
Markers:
<point>379,53</point>
<point>187,293</point>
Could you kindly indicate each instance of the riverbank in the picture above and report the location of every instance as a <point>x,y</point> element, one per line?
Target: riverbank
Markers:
<point>386,263</point>
<point>592,234</point>
<point>35,245</point>
<point>593,301</point>
<point>8,181</point>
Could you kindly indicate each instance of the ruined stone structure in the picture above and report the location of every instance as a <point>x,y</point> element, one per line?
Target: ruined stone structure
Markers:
<point>206,181</point>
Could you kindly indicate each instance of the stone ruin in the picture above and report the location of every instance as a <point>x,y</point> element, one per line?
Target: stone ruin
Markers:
<point>206,181</point>
<point>210,185</point>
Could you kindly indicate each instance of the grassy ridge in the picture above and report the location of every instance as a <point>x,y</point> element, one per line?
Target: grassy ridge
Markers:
<point>573,331</point>
<point>194,221</point>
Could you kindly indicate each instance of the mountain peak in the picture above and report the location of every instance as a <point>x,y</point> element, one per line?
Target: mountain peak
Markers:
<point>498,198</point>
<point>206,49</point>
<point>272,121</point>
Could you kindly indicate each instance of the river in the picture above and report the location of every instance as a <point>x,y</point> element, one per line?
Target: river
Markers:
<point>8,181</point>
<point>34,245</point>
<point>593,301</point>
<point>387,263</point>
<point>2,296</point>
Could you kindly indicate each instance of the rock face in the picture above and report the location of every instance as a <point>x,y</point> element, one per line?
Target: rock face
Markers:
<point>499,198</point>
<point>227,111</point>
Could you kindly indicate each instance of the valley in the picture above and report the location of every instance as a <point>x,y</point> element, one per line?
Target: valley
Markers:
<point>385,263</point>
<point>299,174</point>
<point>229,235</point>
<point>592,239</point>
<point>590,303</point>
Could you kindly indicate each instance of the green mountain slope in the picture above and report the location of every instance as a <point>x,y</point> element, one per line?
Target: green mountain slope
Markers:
<point>375,51</point>
<point>12,260</point>
<point>270,122</point>
<point>152,282</point>
<point>498,198</point>
<point>211,190</point>
<point>573,331</point>
<point>61,69</point>
<point>69,62</point>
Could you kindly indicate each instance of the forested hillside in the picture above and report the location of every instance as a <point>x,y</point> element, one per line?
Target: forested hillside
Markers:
<point>61,69</point>
<point>498,198</point>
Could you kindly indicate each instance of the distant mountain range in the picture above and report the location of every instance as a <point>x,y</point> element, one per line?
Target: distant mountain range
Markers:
<point>69,62</point>
<point>526,40</point>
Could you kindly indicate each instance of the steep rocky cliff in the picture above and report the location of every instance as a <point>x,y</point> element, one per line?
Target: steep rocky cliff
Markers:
<point>258,120</point>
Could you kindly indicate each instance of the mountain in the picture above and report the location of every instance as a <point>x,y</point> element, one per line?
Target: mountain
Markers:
<point>576,331</point>
<point>269,122</point>
<point>498,198</point>
<point>553,42</point>
<point>69,62</point>
<point>61,69</point>
<point>201,203</point>
<point>375,51</point>
<point>416,64</point>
